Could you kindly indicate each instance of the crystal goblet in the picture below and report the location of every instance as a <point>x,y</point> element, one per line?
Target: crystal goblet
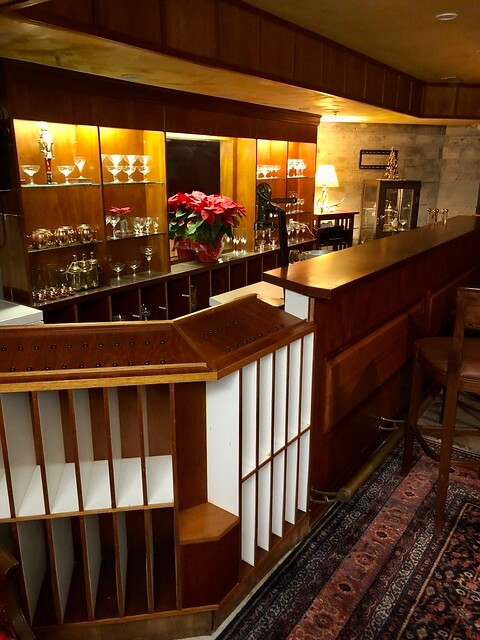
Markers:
<point>144,159</point>
<point>114,171</point>
<point>80,163</point>
<point>144,170</point>
<point>148,253</point>
<point>118,267</point>
<point>30,170</point>
<point>66,170</point>
<point>138,225</point>
<point>156,225</point>
<point>148,224</point>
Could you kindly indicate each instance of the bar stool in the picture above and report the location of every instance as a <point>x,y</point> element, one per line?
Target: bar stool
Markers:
<point>453,363</point>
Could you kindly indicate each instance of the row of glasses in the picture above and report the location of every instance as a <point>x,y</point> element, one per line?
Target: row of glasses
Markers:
<point>296,167</point>
<point>116,167</point>
<point>134,264</point>
<point>129,170</point>
<point>65,169</point>
<point>144,226</point>
<point>268,171</point>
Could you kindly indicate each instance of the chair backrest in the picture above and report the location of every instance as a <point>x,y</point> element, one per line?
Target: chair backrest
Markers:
<point>339,235</point>
<point>467,317</point>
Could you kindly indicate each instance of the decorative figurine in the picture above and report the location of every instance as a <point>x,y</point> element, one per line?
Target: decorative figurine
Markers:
<point>391,172</point>
<point>46,144</point>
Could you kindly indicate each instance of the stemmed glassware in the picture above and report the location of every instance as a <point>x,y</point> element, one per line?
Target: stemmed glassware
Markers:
<point>138,225</point>
<point>115,171</point>
<point>144,170</point>
<point>66,170</point>
<point>156,225</point>
<point>115,158</point>
<point>114,220</point>
<point>130,158</point>
<point>148,223</point>
<point>79,163</point>
<point>30,170</point>
<point>118,267</point>
<point>144,160</point>
<point>148,253</point>
<point>129,170</point>
<point>134,265</point>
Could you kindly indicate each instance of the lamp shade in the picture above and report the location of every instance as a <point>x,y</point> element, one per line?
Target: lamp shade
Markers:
<point>325,176</point>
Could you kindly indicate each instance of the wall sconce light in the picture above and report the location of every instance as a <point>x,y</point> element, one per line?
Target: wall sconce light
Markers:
<point>325,177</point>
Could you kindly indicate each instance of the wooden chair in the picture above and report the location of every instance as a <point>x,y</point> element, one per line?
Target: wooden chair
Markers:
<point>453,363</point>
<point>12,620</point>
<point>335,230</point>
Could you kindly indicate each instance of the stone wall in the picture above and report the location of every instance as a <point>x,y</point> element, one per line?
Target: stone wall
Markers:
<point>445,159</point>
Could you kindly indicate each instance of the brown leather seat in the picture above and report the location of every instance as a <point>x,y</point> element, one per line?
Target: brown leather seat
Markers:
<point>453,363</point>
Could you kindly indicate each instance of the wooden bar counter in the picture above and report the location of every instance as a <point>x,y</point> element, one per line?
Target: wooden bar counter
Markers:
<point>369,303</point>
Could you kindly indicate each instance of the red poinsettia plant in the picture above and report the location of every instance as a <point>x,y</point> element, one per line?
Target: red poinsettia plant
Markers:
<point>201,218</point>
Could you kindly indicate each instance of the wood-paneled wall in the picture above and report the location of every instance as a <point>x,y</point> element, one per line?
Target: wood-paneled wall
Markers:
<point>276,49</point>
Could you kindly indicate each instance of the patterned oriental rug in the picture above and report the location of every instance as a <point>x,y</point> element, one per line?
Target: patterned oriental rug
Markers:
<point>371,569</point>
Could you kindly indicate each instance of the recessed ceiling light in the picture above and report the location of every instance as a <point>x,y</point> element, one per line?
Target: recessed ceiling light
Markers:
<point>445,17</point>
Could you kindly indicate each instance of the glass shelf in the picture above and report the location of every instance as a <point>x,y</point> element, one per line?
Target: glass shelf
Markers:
<point>54,185</point>
<point>67,245</point>
<point>126,184</point>
<point>129,235</point>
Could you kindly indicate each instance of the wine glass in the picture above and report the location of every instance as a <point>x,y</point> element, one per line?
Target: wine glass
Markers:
<point>30,170</point>
<point>118,267</point>
<point>79,163</point>
<point>138,225</point>
<point>114,220</point>
<point>148,253</point>
<point>66,170</point>
<point>156,225</point>
<point>134,265</point>
<point>148,223</point>
<point>129,170</point>
<point>114,171</point>
<point>144,170</point>
<point>144,160</point>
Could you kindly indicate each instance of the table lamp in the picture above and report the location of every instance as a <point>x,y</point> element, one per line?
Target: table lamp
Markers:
<point>325,176</point>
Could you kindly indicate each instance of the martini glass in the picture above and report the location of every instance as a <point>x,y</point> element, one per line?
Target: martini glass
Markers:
<point>129,170</point>
<point>66,170</point>
<point>79,163</point>
<point>130,157</point>
<point>114,171</point>
<point>148,253</point>
<point>114,220</point>
<point>30,170</point>
<point>118,267</point>
<point>144,170</point>
<point>115,158</point>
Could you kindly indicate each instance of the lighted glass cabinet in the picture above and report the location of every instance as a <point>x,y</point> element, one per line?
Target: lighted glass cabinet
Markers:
<point>388,207</point>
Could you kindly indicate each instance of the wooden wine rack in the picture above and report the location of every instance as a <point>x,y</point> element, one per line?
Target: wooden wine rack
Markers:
<point>134,455</point>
